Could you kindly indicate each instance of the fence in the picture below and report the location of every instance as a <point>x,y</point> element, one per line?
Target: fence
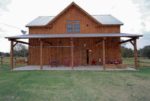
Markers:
<point>22,61</point>
<point>18,61</point>
<point>143,62</point>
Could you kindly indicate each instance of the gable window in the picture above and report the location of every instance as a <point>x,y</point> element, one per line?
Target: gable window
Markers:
<point>73,26</point>
<point>69,28</point>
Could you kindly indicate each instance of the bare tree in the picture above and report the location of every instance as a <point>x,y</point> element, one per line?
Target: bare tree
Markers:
<point>21,50</point>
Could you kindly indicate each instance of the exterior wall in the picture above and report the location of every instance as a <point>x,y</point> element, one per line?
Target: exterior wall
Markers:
<point>63,55</point>
<point>87,25</point>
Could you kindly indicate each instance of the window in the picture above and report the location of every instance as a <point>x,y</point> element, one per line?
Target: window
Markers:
<point>69,28</point>
<point>73,26</point>
<point>77,28</point>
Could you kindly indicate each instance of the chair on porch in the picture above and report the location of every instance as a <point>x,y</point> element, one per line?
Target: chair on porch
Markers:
<point>94,62</point>
<point>54,63</point>
<point>76,62</point>
<point>66,62</point>
<point>114,61</point>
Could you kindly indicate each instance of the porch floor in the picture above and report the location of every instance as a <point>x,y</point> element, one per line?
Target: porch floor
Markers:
<point>94,68</point>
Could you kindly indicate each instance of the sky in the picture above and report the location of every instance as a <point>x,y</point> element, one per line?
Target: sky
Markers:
<point>15,14</point>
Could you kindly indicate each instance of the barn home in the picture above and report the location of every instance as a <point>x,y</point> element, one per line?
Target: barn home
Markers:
<point>75,38</point>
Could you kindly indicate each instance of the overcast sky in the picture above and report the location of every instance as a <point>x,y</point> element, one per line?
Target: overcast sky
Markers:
<point>15,14</point>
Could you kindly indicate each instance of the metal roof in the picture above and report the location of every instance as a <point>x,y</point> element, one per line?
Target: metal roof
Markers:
<point>40,21</point>
<point>32,36</point>
<point>103,19</point>
<point>107,20</point>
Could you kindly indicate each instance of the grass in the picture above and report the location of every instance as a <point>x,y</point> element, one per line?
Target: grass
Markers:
<point>74,85</point>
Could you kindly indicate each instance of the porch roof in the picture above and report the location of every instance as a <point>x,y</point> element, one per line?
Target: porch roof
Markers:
<point>86,35</point>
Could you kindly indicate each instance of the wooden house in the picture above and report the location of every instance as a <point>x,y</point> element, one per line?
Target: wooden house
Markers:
<point>74,38</point>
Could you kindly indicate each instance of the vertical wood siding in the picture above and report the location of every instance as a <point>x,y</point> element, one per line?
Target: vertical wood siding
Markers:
<point>62,55</point>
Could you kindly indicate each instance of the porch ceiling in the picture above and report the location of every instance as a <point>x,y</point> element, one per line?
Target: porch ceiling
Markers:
<point>75,35</point>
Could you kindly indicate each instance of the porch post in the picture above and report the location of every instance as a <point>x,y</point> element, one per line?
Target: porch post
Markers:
<point>11,54</point>
<point>72,52</point>
<point>104,61</point>
<point>41,54</point>
<point>135,54</point>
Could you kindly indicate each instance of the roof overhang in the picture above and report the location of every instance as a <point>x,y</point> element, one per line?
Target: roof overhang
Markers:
<point>75,35</point>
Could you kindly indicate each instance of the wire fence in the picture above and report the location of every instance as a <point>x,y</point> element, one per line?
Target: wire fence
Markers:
<point>22,61</point>
<point>18,61</point>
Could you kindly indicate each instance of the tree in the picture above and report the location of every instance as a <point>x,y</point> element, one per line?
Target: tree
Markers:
<point>20,50</point>
<point>145,52</point>
<point>2,54</point>
<point>126,52</point>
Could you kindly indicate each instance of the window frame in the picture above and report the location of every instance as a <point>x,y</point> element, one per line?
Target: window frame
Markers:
<point>75,26</point>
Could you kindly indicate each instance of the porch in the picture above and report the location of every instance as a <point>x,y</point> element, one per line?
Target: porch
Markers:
<point>132,38</point>
<point>80,68</point>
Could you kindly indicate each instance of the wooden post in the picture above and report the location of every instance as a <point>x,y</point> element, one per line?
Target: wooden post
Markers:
<point>41,54</point>
<point>104,61</point>
<point>135,54</point>
<point>72,52</point>
<point>1,61</point>
<point>11,54</point>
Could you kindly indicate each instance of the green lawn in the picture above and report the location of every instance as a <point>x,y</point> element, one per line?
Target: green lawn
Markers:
<point>74,85</point>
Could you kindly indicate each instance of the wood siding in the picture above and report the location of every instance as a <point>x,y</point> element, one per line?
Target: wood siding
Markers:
<point>63,55</point>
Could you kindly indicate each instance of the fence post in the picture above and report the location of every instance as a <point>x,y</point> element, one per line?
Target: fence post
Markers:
<point>1,60</point>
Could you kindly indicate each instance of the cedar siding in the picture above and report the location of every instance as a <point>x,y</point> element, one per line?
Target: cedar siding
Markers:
<point>81,45</point>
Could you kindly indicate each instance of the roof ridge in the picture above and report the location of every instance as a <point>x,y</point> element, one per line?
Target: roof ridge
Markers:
<point>99,14</point>
<point>91,15</point>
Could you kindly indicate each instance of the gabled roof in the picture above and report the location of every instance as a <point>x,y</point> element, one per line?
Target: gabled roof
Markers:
<point>101,19</point>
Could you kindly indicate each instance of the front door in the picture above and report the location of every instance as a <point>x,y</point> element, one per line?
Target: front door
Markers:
<point>87,57</point>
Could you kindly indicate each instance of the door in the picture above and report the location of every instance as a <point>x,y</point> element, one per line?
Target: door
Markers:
<point>87,57</point>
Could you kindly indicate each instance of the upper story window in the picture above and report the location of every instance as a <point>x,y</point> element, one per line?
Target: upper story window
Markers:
<point>73,26</point>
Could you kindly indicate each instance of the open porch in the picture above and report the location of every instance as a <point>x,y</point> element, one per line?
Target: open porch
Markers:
<point>80,68</point>
<point>132,38</point>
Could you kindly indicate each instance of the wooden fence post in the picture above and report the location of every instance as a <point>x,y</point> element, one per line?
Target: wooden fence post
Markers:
<point>2,60</point>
